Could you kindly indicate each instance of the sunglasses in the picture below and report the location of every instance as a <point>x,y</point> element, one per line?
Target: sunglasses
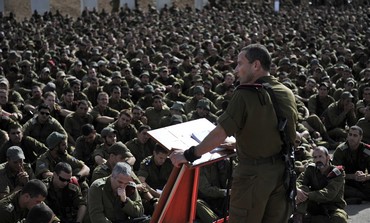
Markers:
<point>64,180</point>
<point>45,113</point>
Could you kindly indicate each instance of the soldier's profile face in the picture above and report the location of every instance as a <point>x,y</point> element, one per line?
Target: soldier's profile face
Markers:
<point>244,69</point>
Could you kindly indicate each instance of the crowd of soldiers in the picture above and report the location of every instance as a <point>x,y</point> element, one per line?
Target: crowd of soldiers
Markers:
<point>78,96</point>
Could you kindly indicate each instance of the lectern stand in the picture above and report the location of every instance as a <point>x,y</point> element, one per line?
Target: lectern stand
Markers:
<point>178,200</point>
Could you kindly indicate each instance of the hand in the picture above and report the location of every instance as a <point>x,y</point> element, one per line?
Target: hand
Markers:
<point>22,177</point>
<point>177,157</point>
<point>301,196</point>
<point>360,176</point>
<point>121,192</point>
<point>228,145</point>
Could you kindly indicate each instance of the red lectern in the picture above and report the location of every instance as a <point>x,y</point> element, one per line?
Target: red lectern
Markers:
<point>178,200</point>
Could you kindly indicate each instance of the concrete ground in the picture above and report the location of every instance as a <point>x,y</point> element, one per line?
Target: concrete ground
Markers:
<point>359,213</point>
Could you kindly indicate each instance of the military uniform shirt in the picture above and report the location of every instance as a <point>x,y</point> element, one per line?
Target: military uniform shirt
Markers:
<point>10,212</point>
<point>9,181</point>
<point>155,176</point>
<point>105,206</point>
<point>47,163</point>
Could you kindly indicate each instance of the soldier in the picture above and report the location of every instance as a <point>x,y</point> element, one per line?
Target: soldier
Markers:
<point>74,122</point>
<point>102,113</point>
<point>338,115</point>
<point>155,170</point>
<point>15,207</point>
<point>64,196</point>
<point>258,193</point>
<point>320,191</point>
<point>203,111</point>
<point>364,124</point>
<point>114,198</point>
<point>141,146</point>
<point>46,163</point>
<point>32,148</point>
<point>213,180</point>
<point>86,144</point>
<point>100,154</point>
<point>41,213</point>
<point>42,125</point>
<point>354,155</point>
<point>155,113</point>
<point>14,174</point>
<point>124,129</point>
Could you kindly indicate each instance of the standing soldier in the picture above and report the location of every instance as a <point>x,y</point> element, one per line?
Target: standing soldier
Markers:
<point>258,192</point>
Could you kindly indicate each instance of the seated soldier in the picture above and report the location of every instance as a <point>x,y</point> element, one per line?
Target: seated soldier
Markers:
<point>14,174</point>
<point>354,155</point>
<point>64,194</point>
<point>114,198</point>
<point>320,191</point>
<point>155,170</point>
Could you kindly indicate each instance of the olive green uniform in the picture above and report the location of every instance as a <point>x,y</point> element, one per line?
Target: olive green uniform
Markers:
<point>84,150</point>
<point>64,202</point>
<point>354,160</point>
<point>140,151</point>
<point>9,181</point>
<point>301,158</point>
<point>210,116</point>
<point>325,194</point>
<point>106,112</point>
<point>10,211</point>
<point>124,134</point>
<point>191,105</point>
<point>317,105</point>
<point>40,131</point>
<point>31,148</point>
<point>258,193</point>
<point>364,124</point>
<point>119,104</point>
<point>47,163</point>
<point>336,119</point>
<point>74,122</point>
<point>104,170</point>
<point>105,206</point>
<point>154,116</point>
<point>155,176</point>
<point>213,183</point>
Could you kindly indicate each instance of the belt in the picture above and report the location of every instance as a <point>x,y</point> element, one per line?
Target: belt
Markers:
<point>267,160</point>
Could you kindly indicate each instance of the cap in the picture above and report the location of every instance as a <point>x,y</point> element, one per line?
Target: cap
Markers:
<point>351,80</point>
<point>101,62</point>
<point>45,69</point>
<point>203,104</point>
<point>106,131</point>
<point>87,129</point>
<point>54,139</point>
<point>176,84</point>
<point>197,78</point>
<point>148,89</point>
<point>60,74</point>
<point>346,95</point>
<point>178,106</point>
<point>176,119</point>
<point>198,89</point>
<point>116,74</point>
<point>145,73</point>
<point>119,148</point>
<point>15,153</point>
<point>4,81</point>
<point>94,64</point>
